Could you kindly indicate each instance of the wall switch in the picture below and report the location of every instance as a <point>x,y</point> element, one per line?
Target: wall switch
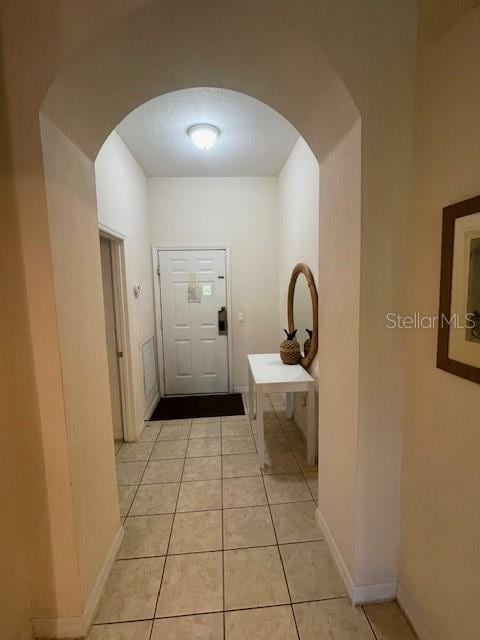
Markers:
<point>241,316</point>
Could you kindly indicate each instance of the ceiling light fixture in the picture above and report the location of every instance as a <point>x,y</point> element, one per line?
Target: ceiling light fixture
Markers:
<point>203,136</point>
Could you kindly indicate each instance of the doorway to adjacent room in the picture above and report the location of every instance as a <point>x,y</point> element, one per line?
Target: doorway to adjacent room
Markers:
<point>116,337</point>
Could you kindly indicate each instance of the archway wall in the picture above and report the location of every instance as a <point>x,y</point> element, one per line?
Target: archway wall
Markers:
<point>284,57</point>
<point>88,99</point>
<point>74,241</point>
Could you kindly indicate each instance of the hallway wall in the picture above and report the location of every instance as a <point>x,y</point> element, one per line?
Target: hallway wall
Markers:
<point>372,79</point>
<point>15,587</point>
<point>440,525</point>
<point>122,207</point>
<point>98,61</point>
<point>81,320</point>
<point>339,462</point>
<point>17,442</point>
<point>242,213</point>
<point>298,221</point>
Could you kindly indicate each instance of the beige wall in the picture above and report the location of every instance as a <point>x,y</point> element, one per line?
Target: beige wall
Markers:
<point>298,221</point>
<point>440,527</point>
<point>81,321</point>
<point>19,444</point>
<point>39,537</point>
<point>375,58</point>
<point>339,317</point>
<point>106,59</point>
<point>16,451</point>
<point>122,207</point>
<point>241,213</point>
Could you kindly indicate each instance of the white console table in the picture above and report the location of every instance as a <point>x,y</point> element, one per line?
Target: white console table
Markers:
<point>268,374</point>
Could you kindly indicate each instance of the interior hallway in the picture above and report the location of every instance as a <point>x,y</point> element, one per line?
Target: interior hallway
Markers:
<point>214,548</point>
<point>397,82</point>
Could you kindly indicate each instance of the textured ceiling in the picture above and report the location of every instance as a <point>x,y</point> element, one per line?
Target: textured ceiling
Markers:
<point>255,140</point>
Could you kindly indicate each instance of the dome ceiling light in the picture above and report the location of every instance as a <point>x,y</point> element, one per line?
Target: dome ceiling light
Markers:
<point>203,136</point>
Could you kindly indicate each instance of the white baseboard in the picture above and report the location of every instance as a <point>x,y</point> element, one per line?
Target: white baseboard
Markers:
<point>79,626</point>
<point>412,615</point>
<point>358,593</point>
<point>50,628</point>
<point>99,586</point>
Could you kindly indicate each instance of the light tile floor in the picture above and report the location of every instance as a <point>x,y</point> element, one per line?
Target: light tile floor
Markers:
<point>216,549</point>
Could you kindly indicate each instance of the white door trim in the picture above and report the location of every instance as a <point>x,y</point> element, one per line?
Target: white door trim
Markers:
<point>121,313</point>
<point>158,306</point>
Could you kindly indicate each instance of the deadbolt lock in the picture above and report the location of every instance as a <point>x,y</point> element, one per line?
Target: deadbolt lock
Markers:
<point>222,322</point>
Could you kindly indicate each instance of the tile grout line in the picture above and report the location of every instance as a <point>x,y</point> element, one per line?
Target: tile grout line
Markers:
<point>369,623</point>
<point>282,432</point>
<point>224,617</point>
<point>300,471</point>
<point>189,553</point>
<point>256,475</point>
<point>281,560</point>
<point>139,484</point>
<point>203,613</point>
<point>168,542</point>
<point>125,520</point>
<point>279,552</point>
<point>244,506</point>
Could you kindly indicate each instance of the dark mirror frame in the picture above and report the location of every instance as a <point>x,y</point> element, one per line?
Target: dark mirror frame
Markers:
<point>297,270</point>
<point>450,214</point>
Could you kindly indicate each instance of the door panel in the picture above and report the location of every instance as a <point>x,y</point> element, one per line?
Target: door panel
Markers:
<point>208,357</point>
<point>183,360</point>
<point>180,292</point>
<point>193,289</point>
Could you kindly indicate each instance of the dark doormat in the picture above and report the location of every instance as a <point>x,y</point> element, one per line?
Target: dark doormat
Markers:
<point>229,404</point>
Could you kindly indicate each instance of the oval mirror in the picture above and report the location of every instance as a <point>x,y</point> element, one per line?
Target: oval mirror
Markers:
<point>303,311</point>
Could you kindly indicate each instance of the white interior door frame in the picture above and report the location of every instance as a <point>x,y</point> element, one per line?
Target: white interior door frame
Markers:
<point>158,306</point>
<point>121,316</point>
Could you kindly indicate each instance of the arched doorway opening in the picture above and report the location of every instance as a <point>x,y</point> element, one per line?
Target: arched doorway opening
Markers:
<point>260,218</point>
<point>144,56</point>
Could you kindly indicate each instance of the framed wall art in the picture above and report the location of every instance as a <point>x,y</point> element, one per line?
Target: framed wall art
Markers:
<point>458,349</point>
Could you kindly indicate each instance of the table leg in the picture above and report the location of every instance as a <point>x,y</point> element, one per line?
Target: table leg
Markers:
<point>259,428</point>
<point>251,393</point>
<point>311,428</point>
<point>289,404</point>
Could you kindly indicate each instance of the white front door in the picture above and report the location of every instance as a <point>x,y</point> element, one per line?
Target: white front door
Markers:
<point>193,290</point>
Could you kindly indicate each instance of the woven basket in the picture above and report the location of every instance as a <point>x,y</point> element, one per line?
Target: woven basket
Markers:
<point>290,352</point>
